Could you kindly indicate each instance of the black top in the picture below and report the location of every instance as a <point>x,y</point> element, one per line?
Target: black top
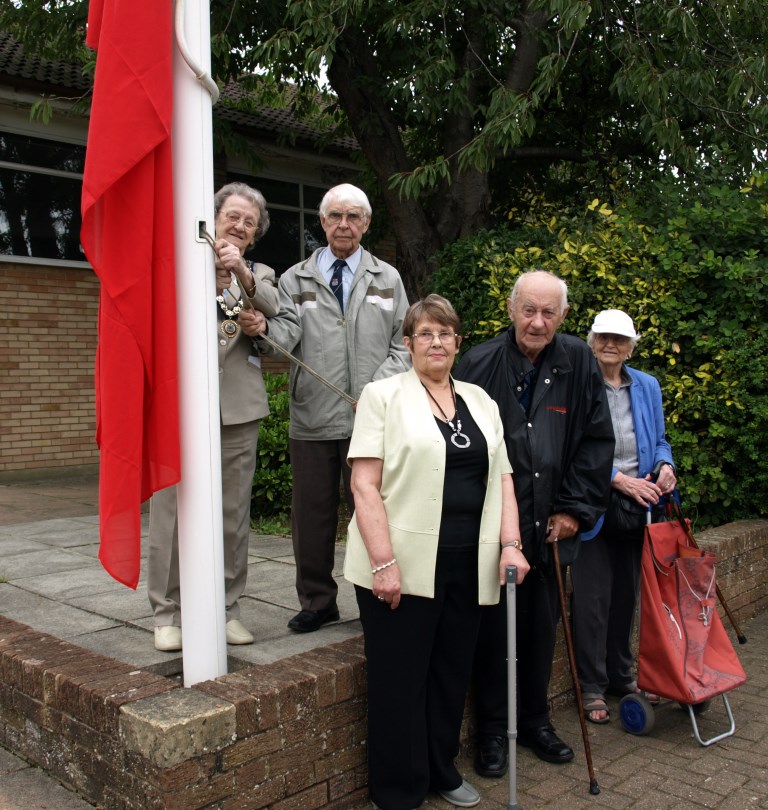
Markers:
<point>466,474</point>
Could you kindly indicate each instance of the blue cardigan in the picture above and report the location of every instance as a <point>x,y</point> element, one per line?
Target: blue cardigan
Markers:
<point>648,416</point>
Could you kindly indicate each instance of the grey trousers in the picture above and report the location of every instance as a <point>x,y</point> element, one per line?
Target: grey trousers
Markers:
<point>238,462</point>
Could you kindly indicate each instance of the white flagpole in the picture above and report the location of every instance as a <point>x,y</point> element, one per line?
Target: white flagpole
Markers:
<point>201,555</point>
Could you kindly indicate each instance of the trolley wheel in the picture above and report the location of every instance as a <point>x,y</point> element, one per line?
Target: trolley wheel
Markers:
<point>636,714</point>
<point>698,708</point>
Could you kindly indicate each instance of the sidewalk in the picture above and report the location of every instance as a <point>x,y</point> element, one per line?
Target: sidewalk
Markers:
<point>51,579</point>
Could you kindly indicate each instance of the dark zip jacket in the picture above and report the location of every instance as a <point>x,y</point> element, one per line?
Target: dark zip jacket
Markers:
<point>562,451</point>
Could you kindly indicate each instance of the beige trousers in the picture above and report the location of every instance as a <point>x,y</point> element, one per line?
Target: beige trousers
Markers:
<point>238,462</point>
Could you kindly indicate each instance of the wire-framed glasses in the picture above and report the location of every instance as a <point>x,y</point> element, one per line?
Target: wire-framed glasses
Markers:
<point>235,219</point>
<point>352,217</point>
<point>429,337</point>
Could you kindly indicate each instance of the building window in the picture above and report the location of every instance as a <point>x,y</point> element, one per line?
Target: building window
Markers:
<point>294,230</point>
<point>40,190</point>
<point>40,184</point>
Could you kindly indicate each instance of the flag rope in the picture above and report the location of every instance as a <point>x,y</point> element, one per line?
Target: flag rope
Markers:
<point>268,340</point>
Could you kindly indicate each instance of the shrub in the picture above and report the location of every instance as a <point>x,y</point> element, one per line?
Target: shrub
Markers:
<point>692,270</point>
<point>272,481</point>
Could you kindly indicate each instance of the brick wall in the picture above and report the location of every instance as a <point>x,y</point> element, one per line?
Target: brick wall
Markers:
<point>285,736</point>
<point>48,318</point>
<point>47,347</point>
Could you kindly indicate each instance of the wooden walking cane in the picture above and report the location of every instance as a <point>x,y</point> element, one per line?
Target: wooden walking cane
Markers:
<point>594,788</point>
<point>692,540</point>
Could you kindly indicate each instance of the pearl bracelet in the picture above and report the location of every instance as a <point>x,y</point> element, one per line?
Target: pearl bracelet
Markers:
<point>382,567</point>
<point>514,544</point>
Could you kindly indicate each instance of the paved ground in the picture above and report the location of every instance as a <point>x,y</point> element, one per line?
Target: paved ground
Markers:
<point>51,579</point>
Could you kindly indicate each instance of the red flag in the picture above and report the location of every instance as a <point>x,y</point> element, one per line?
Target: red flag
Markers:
<point>127,235</point>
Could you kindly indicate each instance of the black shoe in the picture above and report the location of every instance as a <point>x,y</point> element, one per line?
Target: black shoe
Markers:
<point>545,744</point>
<point>491,756</point>
<point>307,621</point>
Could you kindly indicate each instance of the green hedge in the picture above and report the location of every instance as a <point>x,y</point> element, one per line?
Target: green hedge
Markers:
<point>693,273</point>
<point>272,481</point>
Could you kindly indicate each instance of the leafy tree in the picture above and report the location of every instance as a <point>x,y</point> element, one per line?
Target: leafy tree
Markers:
<point>458,108</point>
<point>692,270</point>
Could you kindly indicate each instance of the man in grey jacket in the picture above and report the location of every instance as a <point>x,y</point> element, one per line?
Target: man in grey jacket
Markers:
<point>341,313</point>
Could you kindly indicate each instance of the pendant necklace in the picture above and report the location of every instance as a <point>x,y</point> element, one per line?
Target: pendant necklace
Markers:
<point>458,439</point>
<point>229,327</point>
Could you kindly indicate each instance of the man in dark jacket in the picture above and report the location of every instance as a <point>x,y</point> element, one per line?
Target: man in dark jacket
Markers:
<point>560,441</point>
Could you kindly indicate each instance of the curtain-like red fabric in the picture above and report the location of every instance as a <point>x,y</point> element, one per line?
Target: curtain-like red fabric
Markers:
<point>127,235</point>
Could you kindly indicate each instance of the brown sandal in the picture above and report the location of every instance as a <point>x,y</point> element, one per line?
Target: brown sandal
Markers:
<point>596,703</point>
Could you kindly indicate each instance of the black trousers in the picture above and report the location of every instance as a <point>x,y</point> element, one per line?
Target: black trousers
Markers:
<point>538,611</point>
<point>317,469</point>
<point>606,578</point>
<point>419,660</point>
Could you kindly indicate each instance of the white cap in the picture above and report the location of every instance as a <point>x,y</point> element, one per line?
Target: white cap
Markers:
<point>614,322</point>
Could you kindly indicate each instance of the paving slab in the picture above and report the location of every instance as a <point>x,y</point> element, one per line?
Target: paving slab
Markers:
<point>126,605</point>
<point>13,544</point>
<point>33,564</point>
<point>58,619</point>
<point>30,787</point>
<point>84,576</point>
<point>272,547</point>
<point>267,577</point>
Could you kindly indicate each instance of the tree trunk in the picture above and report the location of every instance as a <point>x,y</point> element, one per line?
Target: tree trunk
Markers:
<point>379,138</point>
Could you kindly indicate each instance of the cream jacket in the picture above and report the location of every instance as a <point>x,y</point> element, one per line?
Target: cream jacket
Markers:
<point>394,422</point>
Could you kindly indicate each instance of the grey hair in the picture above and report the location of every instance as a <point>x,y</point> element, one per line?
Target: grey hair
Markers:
<point>591,340</point>
<point>434,307</point>
<point>345,193</point>
<point>255,197</point>
<point>516,288</point>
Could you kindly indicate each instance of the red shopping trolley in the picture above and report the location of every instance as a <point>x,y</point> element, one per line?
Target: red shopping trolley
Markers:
<point>685,653</point>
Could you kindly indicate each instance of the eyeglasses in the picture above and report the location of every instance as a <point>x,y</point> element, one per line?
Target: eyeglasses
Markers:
<point>606,337</point>
<point>429,337</point>
<point>353,217</point>
<point>235,219</point>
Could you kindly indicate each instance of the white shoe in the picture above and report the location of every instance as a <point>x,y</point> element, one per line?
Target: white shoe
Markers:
<point>168,638</point>
<point>237,634</point>
<point>463,796</point>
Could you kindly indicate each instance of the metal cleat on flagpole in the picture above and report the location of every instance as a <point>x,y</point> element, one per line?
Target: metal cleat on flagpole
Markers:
<point>268,340</point>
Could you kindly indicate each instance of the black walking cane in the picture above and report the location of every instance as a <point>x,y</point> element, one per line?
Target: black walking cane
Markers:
<point>594,788</point>
<point>692,540</point>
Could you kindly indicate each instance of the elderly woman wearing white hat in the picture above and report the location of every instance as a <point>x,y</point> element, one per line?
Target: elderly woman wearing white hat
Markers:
<point>606,573</point>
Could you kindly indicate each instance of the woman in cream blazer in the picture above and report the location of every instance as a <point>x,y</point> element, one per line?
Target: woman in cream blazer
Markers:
<point>434,528</point>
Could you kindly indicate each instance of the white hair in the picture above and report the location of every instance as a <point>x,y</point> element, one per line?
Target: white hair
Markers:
<point>345,193</point>
<point>516,288</point>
